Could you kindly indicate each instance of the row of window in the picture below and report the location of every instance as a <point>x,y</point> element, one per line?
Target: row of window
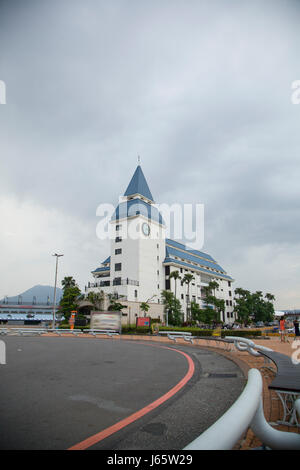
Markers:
<point>203,278</point>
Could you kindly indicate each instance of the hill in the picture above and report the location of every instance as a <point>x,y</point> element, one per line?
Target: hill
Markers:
<point>41,293</point>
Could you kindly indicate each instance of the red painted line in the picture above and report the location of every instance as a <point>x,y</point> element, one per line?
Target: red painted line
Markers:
<point>100,436</point>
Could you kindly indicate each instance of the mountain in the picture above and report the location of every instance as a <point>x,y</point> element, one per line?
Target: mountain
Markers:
<point>40,292</point>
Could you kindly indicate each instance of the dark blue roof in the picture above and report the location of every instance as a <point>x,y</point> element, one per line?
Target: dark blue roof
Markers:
<point>138,185</point>
<point>196,268</point>
<point>181,246</point>
<point>186,255</point>
<point>137,207</point>
<point>99,270</point>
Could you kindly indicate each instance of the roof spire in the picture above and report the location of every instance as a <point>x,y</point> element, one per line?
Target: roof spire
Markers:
<point>138,185</point>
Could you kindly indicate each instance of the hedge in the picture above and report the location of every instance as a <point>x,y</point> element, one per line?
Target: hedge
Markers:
<point>195,331</point>
<point>241,333</point>
<point>133,330</point>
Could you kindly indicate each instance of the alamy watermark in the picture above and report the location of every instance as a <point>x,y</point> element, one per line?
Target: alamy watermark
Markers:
<point>2,92</point>
<point>296,354</point>
<point>295,97</point>
<point>2,353</point>
<point>176,221</point>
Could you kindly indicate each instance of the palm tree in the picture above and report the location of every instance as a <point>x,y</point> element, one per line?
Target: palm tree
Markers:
<point>188,279</point>
<point>270,297</point>
<point>145,307</point>
<point>67,282</point>
<point>175,275</point>
<point>96,298</point>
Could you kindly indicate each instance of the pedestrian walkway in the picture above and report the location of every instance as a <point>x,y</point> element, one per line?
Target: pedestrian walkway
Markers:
<point>272,405</point>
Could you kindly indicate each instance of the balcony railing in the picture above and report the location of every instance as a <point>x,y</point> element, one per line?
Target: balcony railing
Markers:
<point>97,284</point>
<point>115,282</point>
<point>125,282</point>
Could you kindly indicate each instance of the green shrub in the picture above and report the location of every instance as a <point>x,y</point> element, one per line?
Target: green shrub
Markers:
<point>189,329</point>
<point>242,333</point>
<point>133,330</point>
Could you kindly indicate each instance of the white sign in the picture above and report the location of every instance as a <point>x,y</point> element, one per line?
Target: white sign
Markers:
<point>106,321</point>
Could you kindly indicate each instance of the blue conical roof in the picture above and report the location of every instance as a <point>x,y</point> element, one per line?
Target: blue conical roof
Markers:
<point>138,185</point>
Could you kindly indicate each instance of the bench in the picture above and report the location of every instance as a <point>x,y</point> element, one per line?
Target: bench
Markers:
<point>286,383</point>
<point>23,331</point>
<point>227,343</point>
<point>95,332</point>
<point>172,335</point>
<point>60,331</point>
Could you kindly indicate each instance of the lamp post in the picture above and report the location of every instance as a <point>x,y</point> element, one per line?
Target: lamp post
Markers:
<point>54,302</point>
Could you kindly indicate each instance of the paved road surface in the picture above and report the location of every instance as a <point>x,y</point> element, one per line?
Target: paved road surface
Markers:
<point>56,392</point>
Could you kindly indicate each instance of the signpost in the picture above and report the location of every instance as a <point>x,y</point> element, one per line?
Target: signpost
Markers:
<point>143,321</point>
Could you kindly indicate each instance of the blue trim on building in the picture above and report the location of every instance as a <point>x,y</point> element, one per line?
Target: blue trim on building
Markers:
<point>99,270</point>
<point>137,207</point>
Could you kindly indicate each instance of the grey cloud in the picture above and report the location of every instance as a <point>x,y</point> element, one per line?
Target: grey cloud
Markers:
<point>200,90</point>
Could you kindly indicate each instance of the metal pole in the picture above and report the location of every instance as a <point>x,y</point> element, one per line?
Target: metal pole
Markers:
<point>54,301</point>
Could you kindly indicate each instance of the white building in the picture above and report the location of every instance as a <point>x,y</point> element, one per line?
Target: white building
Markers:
<point>142,258</point>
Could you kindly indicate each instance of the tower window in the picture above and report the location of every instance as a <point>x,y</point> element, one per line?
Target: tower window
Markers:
<point>118,251</point>
<point>118,239</point>
<point>118,266</point>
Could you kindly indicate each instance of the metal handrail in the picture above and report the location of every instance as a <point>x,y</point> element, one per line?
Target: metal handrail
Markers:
<point>246,412</point>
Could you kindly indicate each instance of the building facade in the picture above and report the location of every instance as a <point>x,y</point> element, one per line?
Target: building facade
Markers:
<point>142,258</point>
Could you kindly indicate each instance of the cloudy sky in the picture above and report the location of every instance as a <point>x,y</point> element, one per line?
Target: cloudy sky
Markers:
<point>200,89</point>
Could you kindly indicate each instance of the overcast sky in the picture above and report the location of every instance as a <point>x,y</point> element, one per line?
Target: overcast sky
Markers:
<point>200,89</point>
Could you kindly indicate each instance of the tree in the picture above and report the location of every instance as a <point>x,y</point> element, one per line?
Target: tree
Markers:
<point>145,307</point>
<point>253,306</point>
<point>172,308</point>
<point>96,298</point>
<point>187,278</point>
<point>70,298</point>
<point>115,307</point>
<point>211,299</point>
<point>202,315</point>
<point>67,282</point>
<point>175,275</point>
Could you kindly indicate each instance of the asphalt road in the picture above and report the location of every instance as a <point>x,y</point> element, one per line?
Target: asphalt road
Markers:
<point>56,392</point>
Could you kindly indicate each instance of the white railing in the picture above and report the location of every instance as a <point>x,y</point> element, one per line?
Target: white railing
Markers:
<point>245,344</point>
<point>246,412</point>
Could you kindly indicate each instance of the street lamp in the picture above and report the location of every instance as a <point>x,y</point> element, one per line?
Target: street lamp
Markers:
<point>54,302</point>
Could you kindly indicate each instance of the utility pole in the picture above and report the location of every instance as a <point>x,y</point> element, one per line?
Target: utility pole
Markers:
<point>54,302</point>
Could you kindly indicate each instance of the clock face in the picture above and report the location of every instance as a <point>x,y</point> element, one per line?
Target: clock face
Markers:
<point>146,229</point>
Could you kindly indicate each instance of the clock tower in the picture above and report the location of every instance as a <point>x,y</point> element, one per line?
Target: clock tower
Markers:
<point>137,244</point>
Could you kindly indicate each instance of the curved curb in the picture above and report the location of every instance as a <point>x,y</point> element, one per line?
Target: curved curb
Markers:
<point>92,440</point>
